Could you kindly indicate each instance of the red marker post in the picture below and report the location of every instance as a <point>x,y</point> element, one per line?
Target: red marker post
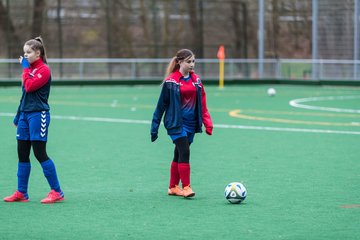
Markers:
<point>221,57</point>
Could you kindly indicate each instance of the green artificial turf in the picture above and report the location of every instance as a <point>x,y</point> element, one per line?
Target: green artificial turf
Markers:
<point>301,184</point>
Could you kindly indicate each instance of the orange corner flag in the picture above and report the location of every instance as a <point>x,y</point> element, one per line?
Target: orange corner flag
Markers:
<point>221,57</point>
<point>221,53</point>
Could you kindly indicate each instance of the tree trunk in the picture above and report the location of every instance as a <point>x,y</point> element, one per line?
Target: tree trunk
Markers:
<point>237,29</point>
<point>196,20</point>
<point>60,37</point>
<point>275,28</point>
<point>7,26</point>
<point>144,20</point>
<point>39,6</point>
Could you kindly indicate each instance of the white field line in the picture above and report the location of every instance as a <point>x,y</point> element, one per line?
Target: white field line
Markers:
<point>224,126</point>
<point>286,129</point>
<point>297,103</point>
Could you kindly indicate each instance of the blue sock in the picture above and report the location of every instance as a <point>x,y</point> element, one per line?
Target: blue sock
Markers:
<point>50,173</point>
<point>23,175</point>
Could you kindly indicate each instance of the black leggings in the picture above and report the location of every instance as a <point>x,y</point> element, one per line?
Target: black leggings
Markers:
<point>182,150</point>
<point>39,148</point>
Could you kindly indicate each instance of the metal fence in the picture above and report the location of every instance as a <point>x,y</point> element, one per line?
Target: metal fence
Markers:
<point>153,69</point>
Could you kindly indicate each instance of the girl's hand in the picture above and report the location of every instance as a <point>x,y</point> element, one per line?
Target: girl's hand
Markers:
<point>154,136</point>
<point>16,119</point>
<point>24,62</point>
<point>209,131</point>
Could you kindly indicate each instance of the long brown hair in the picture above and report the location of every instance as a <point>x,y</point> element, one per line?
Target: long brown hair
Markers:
<point>37,44</point>
<point>181,55</point>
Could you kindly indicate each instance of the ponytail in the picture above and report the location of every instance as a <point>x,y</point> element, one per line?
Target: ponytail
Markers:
<point>172,66</point>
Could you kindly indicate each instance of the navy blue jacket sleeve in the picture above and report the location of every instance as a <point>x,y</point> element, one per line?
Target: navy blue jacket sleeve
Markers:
<point>17,116</point>
<point>161,106</point>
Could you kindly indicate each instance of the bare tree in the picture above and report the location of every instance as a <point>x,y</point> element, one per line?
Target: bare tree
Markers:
<point>275,29</point>
<point>295,29</point>
<point>166,28</point>
<point>195,8</point>
<point>239,20</point>
<point>38,10</point>
<point>123,41</point>
<point>157,28</point>
<point>8,28</point>
<point>305,30</point>
<point>335,26</point>
<point>108,28</point>
<point>144,21</point>
<point>59,35</point>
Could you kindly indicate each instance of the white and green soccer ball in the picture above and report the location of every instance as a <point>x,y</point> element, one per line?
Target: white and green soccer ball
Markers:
<point>235,192</point>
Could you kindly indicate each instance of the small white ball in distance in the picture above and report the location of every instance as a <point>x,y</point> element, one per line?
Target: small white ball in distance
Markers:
<point>271,92</point>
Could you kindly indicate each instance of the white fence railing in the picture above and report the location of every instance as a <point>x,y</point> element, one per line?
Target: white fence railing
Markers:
<point>154,69</point>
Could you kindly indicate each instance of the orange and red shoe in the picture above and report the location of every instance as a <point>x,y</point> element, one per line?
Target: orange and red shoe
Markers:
<point>175,191</point>
<point>188,192</point>
<point>17,197</point>
<point>53,197</point>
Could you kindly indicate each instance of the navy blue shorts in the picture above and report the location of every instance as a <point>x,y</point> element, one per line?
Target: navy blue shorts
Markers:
<point>33,126</point>
<point>184,133</point>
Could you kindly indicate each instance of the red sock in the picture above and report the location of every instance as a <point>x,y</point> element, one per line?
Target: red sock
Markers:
<point>184,170</point>
<point>174,175</point>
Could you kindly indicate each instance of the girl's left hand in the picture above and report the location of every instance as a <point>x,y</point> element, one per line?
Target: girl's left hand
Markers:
<point>208,131</point>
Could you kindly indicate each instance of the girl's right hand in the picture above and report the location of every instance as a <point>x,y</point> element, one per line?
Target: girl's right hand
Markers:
<point>154,136</point>
<point>24,62</point>
<point>16,119</point>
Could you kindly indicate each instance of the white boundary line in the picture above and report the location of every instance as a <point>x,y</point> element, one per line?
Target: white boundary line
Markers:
<point>225,126</point>
<point>286,129</point>
<point>296,103</point>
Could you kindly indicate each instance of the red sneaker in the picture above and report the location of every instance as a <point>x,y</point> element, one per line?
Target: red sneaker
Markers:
<point>53,197</point>
<point>17,197</point>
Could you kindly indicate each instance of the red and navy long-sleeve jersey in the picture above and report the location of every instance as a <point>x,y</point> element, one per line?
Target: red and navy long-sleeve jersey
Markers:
<point>36,82</point>
<point>188,103</point>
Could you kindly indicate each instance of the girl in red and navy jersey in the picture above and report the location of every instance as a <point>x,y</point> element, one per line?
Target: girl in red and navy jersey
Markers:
<point>32,121</point>
<point>183,101</point>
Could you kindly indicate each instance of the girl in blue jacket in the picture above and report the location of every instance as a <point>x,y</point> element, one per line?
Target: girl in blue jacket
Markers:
<point>183,100</point>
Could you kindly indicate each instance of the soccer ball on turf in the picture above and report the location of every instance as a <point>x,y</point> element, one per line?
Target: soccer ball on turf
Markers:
<point>235,192</point>
<point>271,92</point>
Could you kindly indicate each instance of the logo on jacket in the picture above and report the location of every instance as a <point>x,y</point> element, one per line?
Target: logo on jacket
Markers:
<point>33,72</point>
<point>171,80</point>
<point>198,82</point>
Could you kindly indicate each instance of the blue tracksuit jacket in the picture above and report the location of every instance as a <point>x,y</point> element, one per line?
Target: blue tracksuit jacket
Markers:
<point>170,103</point>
